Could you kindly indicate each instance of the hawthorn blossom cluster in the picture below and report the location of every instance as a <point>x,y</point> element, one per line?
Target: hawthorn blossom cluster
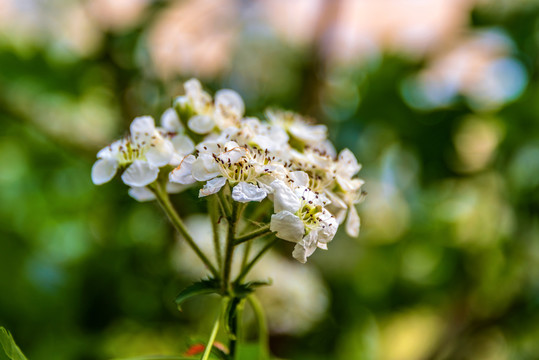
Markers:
<point>285,159</point>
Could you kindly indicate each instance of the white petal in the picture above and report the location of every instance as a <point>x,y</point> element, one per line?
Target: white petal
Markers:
<point>287,225</point>
<point>170,121</point>
<point>300,178</point>
<point>329,227</point>
<point>141,193</point>
<point>299,253</point>
<point>142,125</point>
<point>104,170</point>
<point>305,247</point>
<point>160,153</point>
<point>192,87</point>
<point>140,173</point>
<point>201,124</point>
<point>229,103</point>
<point>233,155</point>
<point>212,186</point>
<point>347,163</point>
<point>112,150</point>
<point>182,174</point>
<point>309,133</point>
<point>284,198</point>
<point>245,192</point>
<point>183,144</point>
<point>352,222</point>
<point>205,168</point>
<point>340,215</point>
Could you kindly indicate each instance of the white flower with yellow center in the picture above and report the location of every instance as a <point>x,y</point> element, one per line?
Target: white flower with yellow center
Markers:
<point>300,217</point>
<point>141,154</point>
<point>238,165</point>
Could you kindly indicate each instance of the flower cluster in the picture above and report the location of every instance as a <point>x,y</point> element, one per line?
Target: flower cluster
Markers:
<point>285,159</point>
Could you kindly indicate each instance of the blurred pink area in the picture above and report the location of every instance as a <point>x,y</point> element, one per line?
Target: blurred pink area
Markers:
<point>365,28</point>
<point>198,37</point>
<point>194,37</point>
<point>117,14</point>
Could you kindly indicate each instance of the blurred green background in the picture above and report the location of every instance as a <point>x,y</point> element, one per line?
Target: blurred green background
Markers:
<point>438,99</point>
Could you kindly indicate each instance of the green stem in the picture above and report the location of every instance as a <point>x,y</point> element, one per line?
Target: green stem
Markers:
<point>264,230</point>
<point>225,204</point>
<point>246,252</point>
<point>229,252</point>
<point>247,268</point>
<point>262,326</point>
<point>164,201</point>
<point>214,214</point>
<point>213,335</point>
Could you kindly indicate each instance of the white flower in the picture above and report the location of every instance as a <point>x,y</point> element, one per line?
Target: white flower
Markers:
<point>201,124</point>
<point>142,153</point>
<point>200,100</point>
<point>229,108</point>
<point>173,129</point>
<point>232,163</point>
<point>300,217</point>
<point>298,127</point>
<point>251,131</point>
<point>347,191</point>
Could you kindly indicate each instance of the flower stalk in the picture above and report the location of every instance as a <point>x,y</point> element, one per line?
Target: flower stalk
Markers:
<point>260,232</point>
<point>303,189</point>
<point>164,200</point>
<point>229,250</point>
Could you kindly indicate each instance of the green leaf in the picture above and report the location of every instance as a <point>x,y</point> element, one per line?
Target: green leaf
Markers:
<point>242,290</point>
<point>10,348</point>
<point>208,286</point>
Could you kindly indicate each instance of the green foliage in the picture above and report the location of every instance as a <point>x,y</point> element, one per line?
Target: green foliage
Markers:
<point>202,287</point>
<point>10,349</point>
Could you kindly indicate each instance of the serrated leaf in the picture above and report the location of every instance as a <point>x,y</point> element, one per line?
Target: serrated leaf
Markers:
<point>242,290</point>
<point>203,287</point>
<point>11,349</point>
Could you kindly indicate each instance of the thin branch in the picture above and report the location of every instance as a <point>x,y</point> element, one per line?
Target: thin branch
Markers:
<point>264,230</point>
<point>164,201</point>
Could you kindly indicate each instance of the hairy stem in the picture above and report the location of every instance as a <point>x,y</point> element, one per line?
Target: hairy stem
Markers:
<point>164,201</point>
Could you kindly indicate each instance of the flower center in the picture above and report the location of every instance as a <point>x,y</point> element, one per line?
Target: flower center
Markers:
<point>239,171</point>
<point>130,150</point>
